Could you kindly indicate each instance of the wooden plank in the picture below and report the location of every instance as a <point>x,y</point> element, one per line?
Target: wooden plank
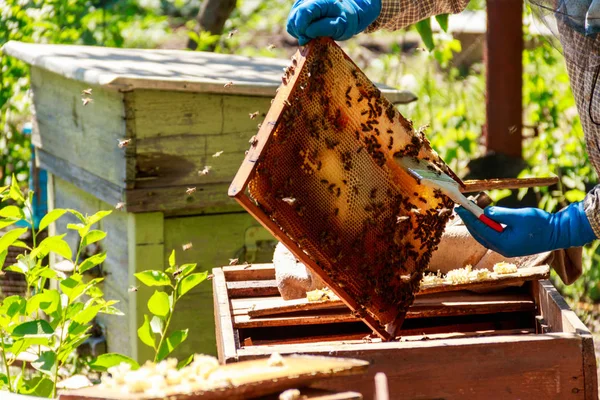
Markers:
<point>477,185</point>
<point>560,318</point>
<point>324,317</point>
<point>128,69</point>
<point>252,288</point>
<point>516,366</point>
<point>227,337</point>
<point>254,272</point>
<point>209,199</point>
<point>319,394</point>
<point>446,304</point>
<point>522,275</point>
<point>102,189</point>
<point>86,136</point>
<point>145,241</point>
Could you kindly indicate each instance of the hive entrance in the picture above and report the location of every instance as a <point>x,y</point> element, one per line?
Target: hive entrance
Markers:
<point>321,176</point>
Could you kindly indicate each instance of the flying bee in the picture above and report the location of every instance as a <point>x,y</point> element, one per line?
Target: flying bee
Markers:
<point>217,154</point>
<point>231,33</point>
<point>132,289</point>
<point>253,115</point>
<point>86,101</point>
<point>187,246</point>
<point>233,261</point>
<point>120,205</point>
<point>190,191</point>
<point>205,170</point>
<point>253,140</point>
<point>271,46</point>
<point>86,92</point>
<point>228,84</point>
<point>124,142</point>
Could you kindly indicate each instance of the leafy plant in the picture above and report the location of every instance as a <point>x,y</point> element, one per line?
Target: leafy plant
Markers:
<point>179,280</point>
<point>50,321</point>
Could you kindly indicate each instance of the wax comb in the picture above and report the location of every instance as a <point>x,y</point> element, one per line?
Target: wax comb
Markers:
<point>320,175</point>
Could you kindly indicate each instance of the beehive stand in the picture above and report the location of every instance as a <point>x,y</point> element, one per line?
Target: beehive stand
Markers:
<point>321,176</point>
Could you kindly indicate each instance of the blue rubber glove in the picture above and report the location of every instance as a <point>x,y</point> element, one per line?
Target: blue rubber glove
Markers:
<point>530,230</point>
<point>337,19</point>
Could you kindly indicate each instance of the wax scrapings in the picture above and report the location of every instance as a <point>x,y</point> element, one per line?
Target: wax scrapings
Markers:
<point>290,394</point>
<point>457,276</point>
<point>275,360</point>
<point>321,295</point>
<point>156,379</point>
<point>505,268</point>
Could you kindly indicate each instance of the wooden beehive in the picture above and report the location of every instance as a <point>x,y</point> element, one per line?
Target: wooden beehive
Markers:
<point>178,110</point>
<point>518,343</point>
<point>322,176</point>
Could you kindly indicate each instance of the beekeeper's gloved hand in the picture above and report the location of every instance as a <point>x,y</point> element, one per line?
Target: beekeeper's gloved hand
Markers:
<point>530,230</point>
<point>581,15</point>
<point>337,19</point>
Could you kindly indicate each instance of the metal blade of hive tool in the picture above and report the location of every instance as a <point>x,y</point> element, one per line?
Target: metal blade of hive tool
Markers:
<point>321,176</point>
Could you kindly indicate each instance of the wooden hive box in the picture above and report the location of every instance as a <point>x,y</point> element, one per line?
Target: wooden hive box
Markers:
<point>520,342</point>
<point>178,111</point>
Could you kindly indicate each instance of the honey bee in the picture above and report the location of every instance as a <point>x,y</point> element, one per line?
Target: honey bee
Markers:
<point>86,101</point>
<point>217,154</point>
<point>289,200</point>
<point>124,142</point>
<point>205,170</point>
<point>253,141</point>
<point>253,115</point>
<point>401,218</point>
<point>271,46</point>
<point>231,33</point>
<point>190,191</point>
<point>187,246</point>
<point>209,277</point>
<point>228,84</point>
<point>120,205</point>
<point>132,289</point>
<point>86,92</point>
<point>233,261</point>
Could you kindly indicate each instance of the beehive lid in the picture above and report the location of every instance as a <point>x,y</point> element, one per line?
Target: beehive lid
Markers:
<point>127,69</point>
<point>322,176</point>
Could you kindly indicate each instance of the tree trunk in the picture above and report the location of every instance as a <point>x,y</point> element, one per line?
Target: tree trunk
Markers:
<point>212,17</point>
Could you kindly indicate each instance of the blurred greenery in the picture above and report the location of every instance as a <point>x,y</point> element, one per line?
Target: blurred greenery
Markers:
<point>451,95</point>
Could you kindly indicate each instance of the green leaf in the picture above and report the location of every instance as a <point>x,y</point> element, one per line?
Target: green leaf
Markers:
<point>145,333</point>
<point>3,255</point>
<point>108,360</point>
<point>54,244</point>
<point>87,314</point>
<point>190,282</point>
<point>185,270</point>
<point>76,227</point>
<point>424,29</point>
<point>10,237</point>
<point>97,217</point>
<point>39,386</point>
<point>21,244</point>
<point>171,343</point>
<point>46,363</point>
<point>13,306</point>
<point>15,192</point>
<point>7,222</point>
<point>185,362</point>
<point>110,310</point>
<point>12,212</point>
<point>93,237</point>
<point>73,309</point>
<point>37,328</point>
<point>158,304</point>
<point>442,20</point>
<point>77,214</point>
<point>172,259</point>
<point>153,278</point>
<point>48,301</point>
<point>72,286</point>
<point>91,262</point>
<point>157,325</point>
<point>50,218</point>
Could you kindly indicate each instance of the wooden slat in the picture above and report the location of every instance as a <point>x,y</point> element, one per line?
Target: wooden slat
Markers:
<point>252,288</point>
<point>477,185</point>
<point>446,304</point>
<point>254,272</point>
<point>325,317</point>
<point>511,367</point>
<point>560,318</point>
<point>227,338</point>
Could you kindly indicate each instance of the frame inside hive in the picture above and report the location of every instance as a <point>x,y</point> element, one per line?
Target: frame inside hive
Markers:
<point>321,176</point>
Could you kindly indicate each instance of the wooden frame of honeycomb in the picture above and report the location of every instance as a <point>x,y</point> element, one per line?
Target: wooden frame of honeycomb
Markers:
<point>321,175</point>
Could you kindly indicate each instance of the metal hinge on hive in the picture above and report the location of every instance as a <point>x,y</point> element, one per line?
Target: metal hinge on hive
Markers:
<point>320,175</point>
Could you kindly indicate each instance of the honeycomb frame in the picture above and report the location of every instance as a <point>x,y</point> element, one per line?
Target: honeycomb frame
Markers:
<point>322,176</point>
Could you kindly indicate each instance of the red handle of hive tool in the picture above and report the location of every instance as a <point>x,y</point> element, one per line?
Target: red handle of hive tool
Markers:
<point>491,223</point>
